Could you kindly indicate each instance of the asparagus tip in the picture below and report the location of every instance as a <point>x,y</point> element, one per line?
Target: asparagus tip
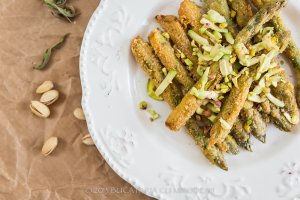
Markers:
<point>221,164</point>
<point>234,151</point>
<point>249,147</point>
<point>261,138</point>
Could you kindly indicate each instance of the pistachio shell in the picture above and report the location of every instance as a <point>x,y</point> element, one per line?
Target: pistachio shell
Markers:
<point>49,146</point>
<point>78,113</point>
<point>45,87</point>
<point>39,109</point>
<point>87,140</point>
<point>49,97</point>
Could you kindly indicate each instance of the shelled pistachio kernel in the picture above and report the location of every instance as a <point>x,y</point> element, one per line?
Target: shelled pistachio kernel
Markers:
<point>49,97</point>
<point>39,109</point>
<point>49,146</point>
<point>78,113</point>
<point>87,140</point>
<point>45,87</point>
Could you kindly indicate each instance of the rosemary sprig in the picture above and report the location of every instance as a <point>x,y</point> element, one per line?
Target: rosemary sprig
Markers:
<point>60,9</point>
<point>48,52</point>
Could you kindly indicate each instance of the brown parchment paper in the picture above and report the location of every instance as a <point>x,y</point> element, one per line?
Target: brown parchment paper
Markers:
<point>73,171</point>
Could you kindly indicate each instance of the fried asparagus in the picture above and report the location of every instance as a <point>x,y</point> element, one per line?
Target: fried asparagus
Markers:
<point>145,56</point>
<point>243,11</point>
<point>292,52</point>
<point>231,145</point>
<point>258,125</point>
<point>165,53</point>
<point>231,109</point>
<point>190,15</point>
<point>238,96</point>
<point>189,104</point>
<point>285,92</point>
<point>221,6</point>
<point>241,136</point>
<point>265,14</point>
<point>171,25</point>
<point>272,113</point>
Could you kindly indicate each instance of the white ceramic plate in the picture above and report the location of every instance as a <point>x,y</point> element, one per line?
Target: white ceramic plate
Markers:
<point>157,162</point>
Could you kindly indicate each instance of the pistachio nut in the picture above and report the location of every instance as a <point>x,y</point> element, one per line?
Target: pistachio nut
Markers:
<point>49,146</point>
<point>78,113</point>
<point>45,87</point>
<point>39,109</point>
<point>87,140</point>
<point>49,97</point>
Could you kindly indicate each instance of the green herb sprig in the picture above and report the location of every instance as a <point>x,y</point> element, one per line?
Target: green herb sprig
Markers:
<point>60,9</point>
<point>48,52</point>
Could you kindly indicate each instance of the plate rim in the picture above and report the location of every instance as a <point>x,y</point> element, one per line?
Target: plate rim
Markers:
<point>99,10</point>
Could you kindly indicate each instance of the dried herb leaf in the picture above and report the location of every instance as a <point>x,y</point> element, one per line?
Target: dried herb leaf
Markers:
<point>60,2</point>
<point>65,13</point>
<point>60,9</point>
<point>48,52</point>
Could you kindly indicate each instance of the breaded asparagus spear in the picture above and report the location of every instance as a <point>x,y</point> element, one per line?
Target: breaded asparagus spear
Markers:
<point>190,15</point>
<point>189,104</point>
<point>238,96</point>
<point>231,109</point>
<point>265,14</point>
<point>272,113</point>
<point>231,145</point>
<point>145,56</point>
<point>278,119</point>
<point>292,51</point>
<point>285,92</point>
<point>258,125</point>
<point>165,53</point>
<point>241,136</point>
<point>171,25</point>
<point>221,6</point>
<point>214,155</point>
<point>243,11</point>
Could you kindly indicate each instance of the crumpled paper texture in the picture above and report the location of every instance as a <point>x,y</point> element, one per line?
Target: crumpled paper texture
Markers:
<point>73,171</point>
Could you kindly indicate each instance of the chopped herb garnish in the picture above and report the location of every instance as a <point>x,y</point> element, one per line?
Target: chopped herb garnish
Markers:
<point>151,92</point>
<point>166,82</point>
<point>166,35</point>
<point>165,71</point>
<point>143,105</point>
<point>247,126</point>
<point>154,115</point>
